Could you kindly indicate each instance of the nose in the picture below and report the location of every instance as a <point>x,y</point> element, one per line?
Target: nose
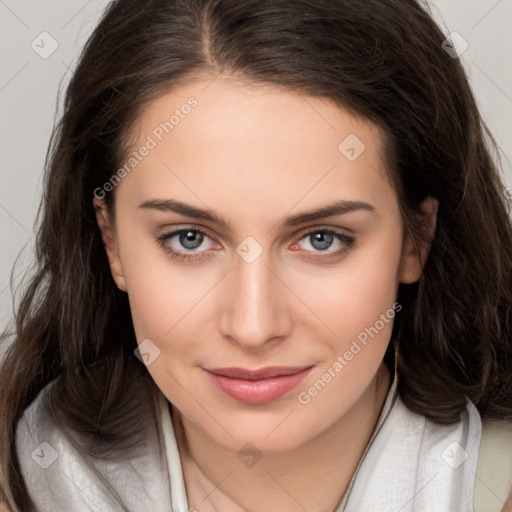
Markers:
<point>255,310</point>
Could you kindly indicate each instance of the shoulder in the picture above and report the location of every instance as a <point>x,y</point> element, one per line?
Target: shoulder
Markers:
<point>60,474</point>
<point>39,446</point>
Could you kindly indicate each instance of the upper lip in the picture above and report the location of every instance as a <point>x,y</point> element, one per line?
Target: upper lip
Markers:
<point>262,373</point>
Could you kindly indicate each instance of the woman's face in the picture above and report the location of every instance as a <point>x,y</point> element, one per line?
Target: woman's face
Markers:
<point>256,280</point>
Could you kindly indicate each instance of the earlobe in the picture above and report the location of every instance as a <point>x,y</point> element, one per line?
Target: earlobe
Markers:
<point>109,242</point>
<point>415,250</point>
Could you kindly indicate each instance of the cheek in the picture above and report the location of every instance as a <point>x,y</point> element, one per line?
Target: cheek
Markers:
<point>172,306</point>
<point>360,308</point>
<point>159,291</point>
<point>369,293</point>
<point>164,302</point>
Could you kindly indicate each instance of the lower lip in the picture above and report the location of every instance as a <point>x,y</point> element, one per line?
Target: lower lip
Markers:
<point>258,391</point>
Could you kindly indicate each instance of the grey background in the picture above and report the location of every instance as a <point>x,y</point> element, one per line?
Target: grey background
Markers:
<point>29,85</point>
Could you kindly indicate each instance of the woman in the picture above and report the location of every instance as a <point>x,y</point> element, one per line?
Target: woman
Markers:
<point>274,269</point>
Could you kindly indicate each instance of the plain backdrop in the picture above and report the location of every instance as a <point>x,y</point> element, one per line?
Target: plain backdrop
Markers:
<point>30,80</point>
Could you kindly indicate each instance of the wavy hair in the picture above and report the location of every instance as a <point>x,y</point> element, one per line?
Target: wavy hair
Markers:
<point>381,59</point>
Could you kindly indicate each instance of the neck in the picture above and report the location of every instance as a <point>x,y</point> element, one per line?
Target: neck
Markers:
<point>318,471</point>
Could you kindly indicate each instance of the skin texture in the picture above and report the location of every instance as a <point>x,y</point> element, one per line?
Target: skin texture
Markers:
<point>255,154</point>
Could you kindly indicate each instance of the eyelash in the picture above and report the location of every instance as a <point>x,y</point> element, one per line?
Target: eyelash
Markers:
<point>348,242</point>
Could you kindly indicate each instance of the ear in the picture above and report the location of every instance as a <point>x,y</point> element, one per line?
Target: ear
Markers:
<point>109,241</point>
<point>415,250</point>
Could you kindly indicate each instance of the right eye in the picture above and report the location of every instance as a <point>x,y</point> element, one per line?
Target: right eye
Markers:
<point>185,244</point>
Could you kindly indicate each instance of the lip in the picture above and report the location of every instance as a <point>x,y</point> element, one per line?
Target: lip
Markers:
<point>257,386</point>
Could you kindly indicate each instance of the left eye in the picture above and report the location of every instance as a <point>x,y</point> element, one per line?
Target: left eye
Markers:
<point>320,240</point>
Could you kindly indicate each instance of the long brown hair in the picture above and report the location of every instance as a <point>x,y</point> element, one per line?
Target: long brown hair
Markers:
<point>382,59</point>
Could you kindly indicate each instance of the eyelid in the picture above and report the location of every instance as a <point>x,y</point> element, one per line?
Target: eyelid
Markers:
<point>170,231</point>
<point>322,227</point>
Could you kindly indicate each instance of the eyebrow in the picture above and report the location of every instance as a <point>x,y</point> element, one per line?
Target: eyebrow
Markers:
<point>336,208</point>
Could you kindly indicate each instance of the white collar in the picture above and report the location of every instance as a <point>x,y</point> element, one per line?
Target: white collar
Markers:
<point>178,492</point>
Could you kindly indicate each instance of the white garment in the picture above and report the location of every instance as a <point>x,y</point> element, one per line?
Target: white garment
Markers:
<point>410,465</point>
<point>414,465</point>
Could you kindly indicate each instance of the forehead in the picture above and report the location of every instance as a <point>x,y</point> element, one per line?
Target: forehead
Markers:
<point>222,140</point>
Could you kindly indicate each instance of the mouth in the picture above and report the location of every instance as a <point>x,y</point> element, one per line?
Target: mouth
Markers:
<point>257,386</point>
